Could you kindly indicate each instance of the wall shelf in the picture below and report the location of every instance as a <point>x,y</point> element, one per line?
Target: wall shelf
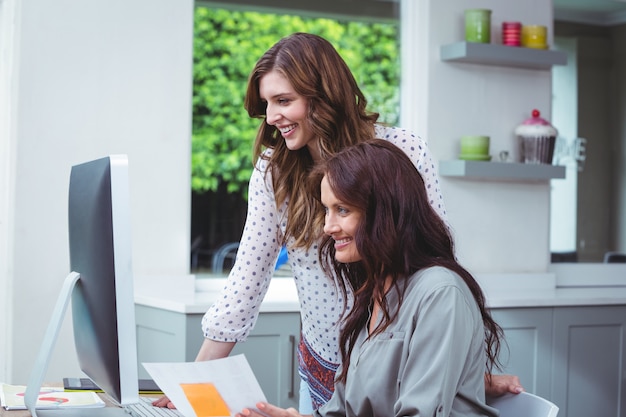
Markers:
<point>500,170</point>
<point>502,55</point>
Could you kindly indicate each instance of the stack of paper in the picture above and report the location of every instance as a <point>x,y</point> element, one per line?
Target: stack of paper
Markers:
<point>12,398</point>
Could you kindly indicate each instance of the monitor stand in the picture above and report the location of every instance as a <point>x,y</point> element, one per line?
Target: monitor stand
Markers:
<point>43,359</point>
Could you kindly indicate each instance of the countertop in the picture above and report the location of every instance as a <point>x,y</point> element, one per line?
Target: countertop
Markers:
<point>562,285</point>
<point>191,295</point>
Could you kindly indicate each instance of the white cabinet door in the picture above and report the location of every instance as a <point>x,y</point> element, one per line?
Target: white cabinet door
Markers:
<point>589,362</point>
<point>527,352</point>
<point>272,350</point>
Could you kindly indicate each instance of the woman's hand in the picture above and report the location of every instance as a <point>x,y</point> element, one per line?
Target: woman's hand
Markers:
<point>271,411</point>
<point>163,402</point>
<point>499,385</point>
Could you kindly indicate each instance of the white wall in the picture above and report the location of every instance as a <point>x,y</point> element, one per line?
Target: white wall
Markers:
<point>499,226</point>
<point>93,78</point>
<point>8,10</point>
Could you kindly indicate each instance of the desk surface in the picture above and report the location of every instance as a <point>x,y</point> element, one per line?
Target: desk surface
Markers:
<point>26,413</point>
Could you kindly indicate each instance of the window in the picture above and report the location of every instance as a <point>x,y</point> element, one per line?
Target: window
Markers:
<point>227,44</point>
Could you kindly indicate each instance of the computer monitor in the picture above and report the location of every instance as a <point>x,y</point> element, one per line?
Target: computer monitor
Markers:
<point>100,285</point>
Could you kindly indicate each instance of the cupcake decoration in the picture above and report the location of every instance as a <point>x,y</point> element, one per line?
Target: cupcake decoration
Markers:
<point>536,138</point>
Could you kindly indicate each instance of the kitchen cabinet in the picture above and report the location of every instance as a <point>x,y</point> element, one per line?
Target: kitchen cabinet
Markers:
<point>589,361</point>
<point>573,356</point>
<point>527,351</point>
<point>271,348</point>
<point>564,341</point>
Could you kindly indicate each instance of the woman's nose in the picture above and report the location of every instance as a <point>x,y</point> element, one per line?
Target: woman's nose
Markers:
<point>272,115</point>
<point>330,226</point>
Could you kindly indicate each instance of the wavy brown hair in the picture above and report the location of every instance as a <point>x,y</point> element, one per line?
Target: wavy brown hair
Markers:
<point>337,116</point>
<point>399,235</point>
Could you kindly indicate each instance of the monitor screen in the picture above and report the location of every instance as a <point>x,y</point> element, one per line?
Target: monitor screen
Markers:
<point>101,283</point>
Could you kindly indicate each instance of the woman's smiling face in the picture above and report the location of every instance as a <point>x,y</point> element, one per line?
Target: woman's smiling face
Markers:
<point>287,110</point>
<point>340,222</point>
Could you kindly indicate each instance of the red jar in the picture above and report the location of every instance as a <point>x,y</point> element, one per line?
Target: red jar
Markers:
<point>511,33</point>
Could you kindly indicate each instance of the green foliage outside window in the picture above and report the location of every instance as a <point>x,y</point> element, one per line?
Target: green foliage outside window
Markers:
<point>228,43</point>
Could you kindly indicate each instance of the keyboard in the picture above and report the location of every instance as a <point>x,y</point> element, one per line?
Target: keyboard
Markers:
<point>144,408</point>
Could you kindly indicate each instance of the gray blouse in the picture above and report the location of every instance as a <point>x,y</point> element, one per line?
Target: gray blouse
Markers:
<point>429,362</point>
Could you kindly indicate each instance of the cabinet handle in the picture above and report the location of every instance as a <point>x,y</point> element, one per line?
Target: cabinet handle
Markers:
<point>292,342</point>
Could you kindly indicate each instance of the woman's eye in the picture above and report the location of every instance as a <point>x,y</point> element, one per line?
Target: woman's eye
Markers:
<point>283,101</point>
<point>342,210</point>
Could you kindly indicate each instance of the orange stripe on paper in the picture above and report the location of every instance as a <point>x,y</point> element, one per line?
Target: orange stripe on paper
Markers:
<point>205,400</point>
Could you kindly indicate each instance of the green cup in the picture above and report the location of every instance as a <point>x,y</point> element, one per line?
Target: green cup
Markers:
<point>474,146</point>
<point>478,25</point>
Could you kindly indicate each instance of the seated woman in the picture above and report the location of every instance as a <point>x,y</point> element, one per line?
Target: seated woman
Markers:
<point>416,338</point>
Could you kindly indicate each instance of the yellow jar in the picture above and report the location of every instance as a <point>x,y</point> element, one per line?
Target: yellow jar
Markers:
<point>534,36</point>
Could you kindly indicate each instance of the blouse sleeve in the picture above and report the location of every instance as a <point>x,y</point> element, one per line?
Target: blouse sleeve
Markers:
<point>232,316</point>
<point>417,150</point>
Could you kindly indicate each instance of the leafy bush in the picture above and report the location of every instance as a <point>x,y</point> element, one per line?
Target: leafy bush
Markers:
<point>228,43</point>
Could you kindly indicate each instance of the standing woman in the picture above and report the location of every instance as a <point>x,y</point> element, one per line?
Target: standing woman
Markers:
<point>418,339</point>
<point>310,108</point>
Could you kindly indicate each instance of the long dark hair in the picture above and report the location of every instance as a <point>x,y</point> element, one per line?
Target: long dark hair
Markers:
<point>400,234</point>
<point>337,116</point>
